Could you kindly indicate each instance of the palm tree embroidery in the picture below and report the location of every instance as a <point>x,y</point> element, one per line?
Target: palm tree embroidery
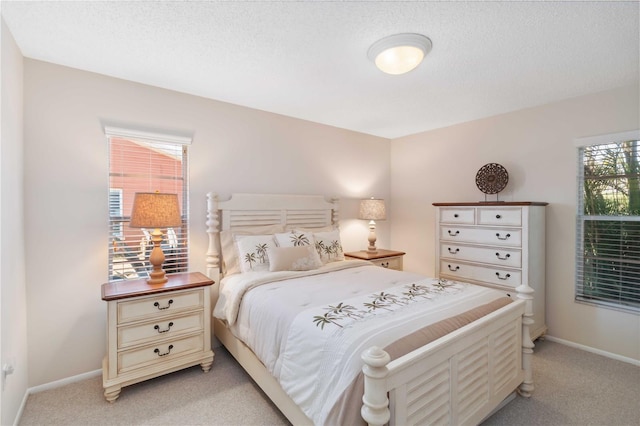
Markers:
<point>328,318</point>
<point>299,239</point>
<point>261,251</point>
<point>415,290</point>
<point>441,285</point>
<point>382,300</point>
<point>250,258</point>
<point>343,310</point>
<point>337,248</point>
<point>320,247</point>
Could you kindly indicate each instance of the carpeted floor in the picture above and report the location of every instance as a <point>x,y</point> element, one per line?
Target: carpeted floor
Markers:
<point>573,387</point>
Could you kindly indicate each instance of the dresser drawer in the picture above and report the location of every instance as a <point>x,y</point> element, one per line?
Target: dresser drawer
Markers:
<point>156,306</point>
<point>457,215</point>
<point>498,276</point>
<point>159,352</point>
<point>492,236</point>
<point>496,256</point>
<point>389,262</point>
<point>500,216</point>
<point>151,331</point>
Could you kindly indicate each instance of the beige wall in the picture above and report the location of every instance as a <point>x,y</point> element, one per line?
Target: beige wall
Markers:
<point>235,149</point>
<point>13,308</point>
<point>536,146</point>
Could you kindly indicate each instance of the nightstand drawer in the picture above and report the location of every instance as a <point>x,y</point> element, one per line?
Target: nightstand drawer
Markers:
<point>159,353</point>
<point>160,305</point>
<point>389,263</point>
<point>162,328</point>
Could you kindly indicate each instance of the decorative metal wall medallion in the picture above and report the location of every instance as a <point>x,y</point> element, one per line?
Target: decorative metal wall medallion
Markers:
<point>492,178</point>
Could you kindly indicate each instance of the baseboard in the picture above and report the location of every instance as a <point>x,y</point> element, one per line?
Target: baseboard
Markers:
<point>66,381</point>
<point>617,357</point>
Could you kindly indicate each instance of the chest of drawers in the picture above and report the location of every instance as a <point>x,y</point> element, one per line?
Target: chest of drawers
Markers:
<point>499,245</point>
<point>155,329</point>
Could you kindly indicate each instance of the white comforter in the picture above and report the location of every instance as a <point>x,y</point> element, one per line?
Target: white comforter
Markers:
<point>310,328</point>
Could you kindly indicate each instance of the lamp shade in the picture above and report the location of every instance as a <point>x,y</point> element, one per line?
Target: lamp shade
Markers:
<point>155,210</point>
<point>372,209</point>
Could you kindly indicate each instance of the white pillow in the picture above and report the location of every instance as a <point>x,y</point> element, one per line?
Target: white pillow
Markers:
<point>329,246</point>
<point>298,258</point>
<point>295,239</point>
<point>230,262</point>
<point>252,251</point>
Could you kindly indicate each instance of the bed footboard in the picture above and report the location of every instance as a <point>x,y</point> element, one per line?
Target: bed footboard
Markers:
<point>458,380</point>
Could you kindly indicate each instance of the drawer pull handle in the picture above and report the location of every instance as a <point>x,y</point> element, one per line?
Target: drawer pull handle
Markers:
<point>498,216</point>
<point>453,234</point>
<point>453,269</point>
<point>157,305</point>
<point>456,215</point>
<point>506,237</point>
<point>157,327</point>
<point>156,350</point>
<point>503,258</point>
<point>453,251</point>
<point>506,277</point>
<point>384,265</point>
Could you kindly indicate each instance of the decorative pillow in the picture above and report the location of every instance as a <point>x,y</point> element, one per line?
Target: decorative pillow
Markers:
<point>295,239</point>
<point>252,251</point>
<point>230,263</point>
<point>329,246</point>
<point>298,258</point>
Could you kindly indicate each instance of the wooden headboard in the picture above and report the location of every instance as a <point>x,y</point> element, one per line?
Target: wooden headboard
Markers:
<point>246,210</point>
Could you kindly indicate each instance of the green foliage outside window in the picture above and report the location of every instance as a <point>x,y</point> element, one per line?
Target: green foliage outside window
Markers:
<point>609,223</point>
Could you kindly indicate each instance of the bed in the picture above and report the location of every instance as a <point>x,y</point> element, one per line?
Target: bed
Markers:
<point>326,358</point>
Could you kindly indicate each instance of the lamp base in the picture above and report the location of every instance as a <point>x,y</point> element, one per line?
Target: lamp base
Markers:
<point>157,275</point>
<point>372,238</point>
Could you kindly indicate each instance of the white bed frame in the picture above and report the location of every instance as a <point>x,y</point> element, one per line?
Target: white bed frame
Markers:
<point>458,379</point>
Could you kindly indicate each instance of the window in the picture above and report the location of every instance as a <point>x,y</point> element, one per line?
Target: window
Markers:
<point>144,162</point>
<point>608,221</point>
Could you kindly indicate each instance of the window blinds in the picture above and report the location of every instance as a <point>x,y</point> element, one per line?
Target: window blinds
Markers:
<point>145,165</point>
<point>608,225</point>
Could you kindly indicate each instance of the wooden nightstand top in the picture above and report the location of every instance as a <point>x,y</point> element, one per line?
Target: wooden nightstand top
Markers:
<point>123,289</point>
<point>380,254</point>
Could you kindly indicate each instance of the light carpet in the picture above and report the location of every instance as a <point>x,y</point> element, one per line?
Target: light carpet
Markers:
<point>572,387</point>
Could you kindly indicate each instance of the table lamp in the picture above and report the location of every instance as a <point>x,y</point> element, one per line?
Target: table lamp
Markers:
<point>155,210</point>
<point>372,209</point>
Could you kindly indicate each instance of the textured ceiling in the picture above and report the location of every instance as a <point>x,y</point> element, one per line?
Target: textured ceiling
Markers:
<point>309,59</point>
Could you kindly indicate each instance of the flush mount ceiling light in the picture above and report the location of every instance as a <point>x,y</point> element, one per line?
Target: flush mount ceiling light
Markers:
<point>399,53</point>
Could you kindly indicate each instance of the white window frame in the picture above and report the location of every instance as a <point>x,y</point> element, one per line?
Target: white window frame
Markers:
<point>581,218</point>
<point>156,140</point>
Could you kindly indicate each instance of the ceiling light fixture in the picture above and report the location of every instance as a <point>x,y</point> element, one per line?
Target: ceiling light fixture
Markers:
<point>399,53</point>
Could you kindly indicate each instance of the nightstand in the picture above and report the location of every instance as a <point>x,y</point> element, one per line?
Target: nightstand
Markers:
<point>386,258</point>
<point>155,329</point>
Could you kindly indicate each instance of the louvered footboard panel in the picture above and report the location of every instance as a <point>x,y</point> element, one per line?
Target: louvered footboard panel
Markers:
<point>472,381</point>
<point>462,382</point>
<point>429,397</point>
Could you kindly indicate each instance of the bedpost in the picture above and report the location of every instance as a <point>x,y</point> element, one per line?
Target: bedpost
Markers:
<point>375,404</point>
<point>525,292</point>
<point>213,229</point>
